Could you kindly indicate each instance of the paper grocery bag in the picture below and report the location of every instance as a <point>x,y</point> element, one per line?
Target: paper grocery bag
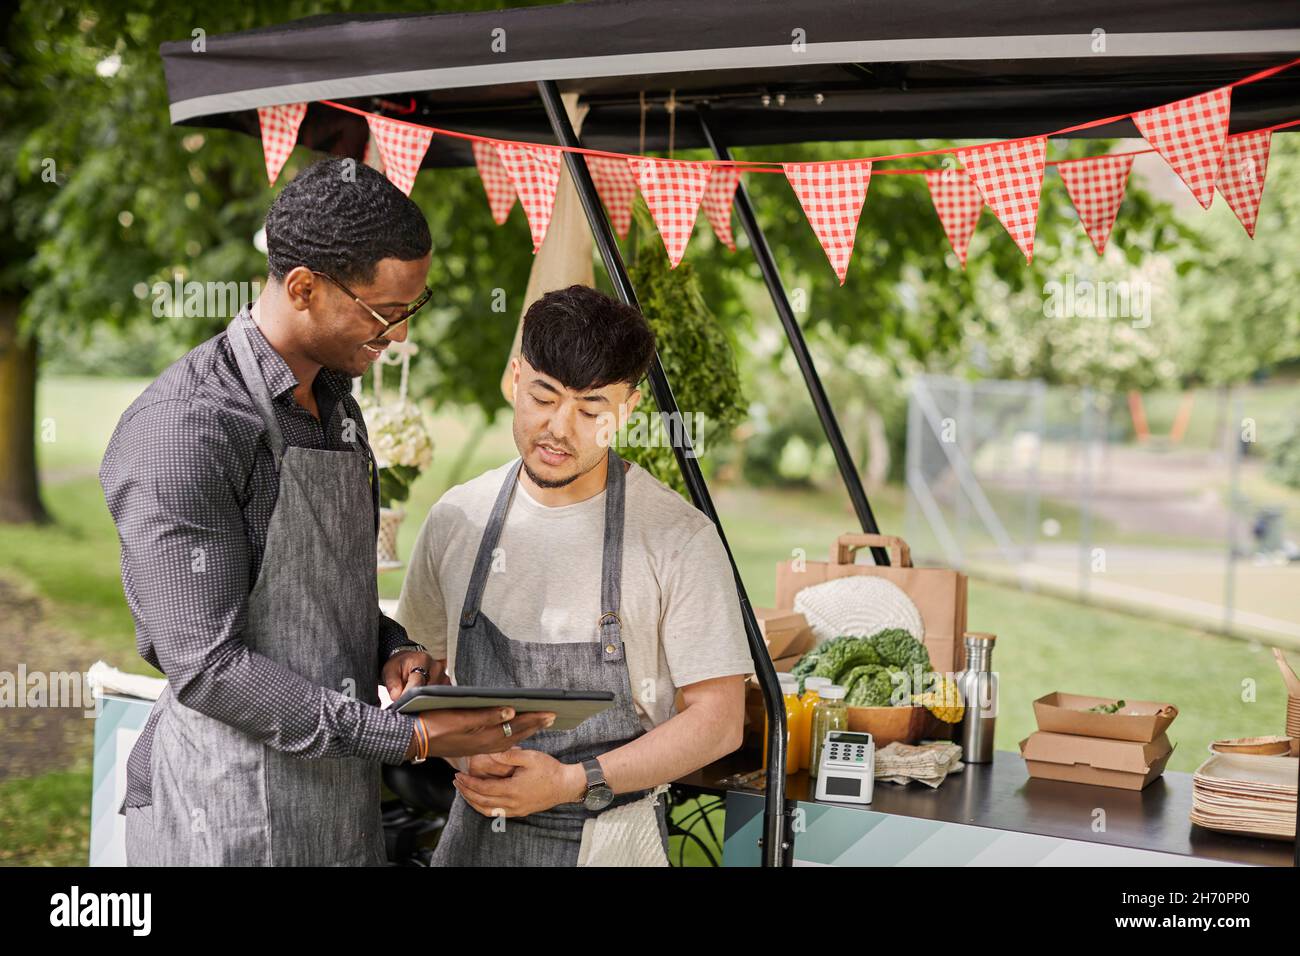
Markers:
<point>938,593</point>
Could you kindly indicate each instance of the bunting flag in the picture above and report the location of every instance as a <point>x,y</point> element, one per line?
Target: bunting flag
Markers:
<point>279,134</point>
<point>616,186</point>
<point>718,197</point>
<point>832,195</point>
<point>402,147</point>
<point>1241,175</point>
<point>958,203</point>
<point>1189,134</point>
<point>535,171</point>
<point>673,190</point>
<point>1096,187</point>
<point>497,184</point>
<point>1010,178</point>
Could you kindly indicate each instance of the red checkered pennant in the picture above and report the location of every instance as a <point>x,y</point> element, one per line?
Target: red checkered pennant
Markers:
<point>279,134</point>
<point>616,186</point>
<point>496,181</point>
<point>1189,134</point>
<point>1096,187</point>
<point>832,195</point>
<point>1241,177</point>
<point>402,147</point>
<point>535,171</point>
<point>718,196</point>
<point>1010,178</point>
<point>673,190</point>
<point>958,203</point>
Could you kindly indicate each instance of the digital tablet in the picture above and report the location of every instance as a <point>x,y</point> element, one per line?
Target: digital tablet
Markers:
<point>571,707</point>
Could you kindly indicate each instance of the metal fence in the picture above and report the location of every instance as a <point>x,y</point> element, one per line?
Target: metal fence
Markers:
<point>1158,502</point>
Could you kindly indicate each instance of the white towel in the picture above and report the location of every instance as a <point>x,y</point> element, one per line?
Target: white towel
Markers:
<point>105,679</point>
<point>625,836</point>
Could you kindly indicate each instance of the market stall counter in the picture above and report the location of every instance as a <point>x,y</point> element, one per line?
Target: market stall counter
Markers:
<point>991,814</point>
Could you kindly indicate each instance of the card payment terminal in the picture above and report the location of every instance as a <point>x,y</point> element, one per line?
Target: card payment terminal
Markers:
<point>847,768</point>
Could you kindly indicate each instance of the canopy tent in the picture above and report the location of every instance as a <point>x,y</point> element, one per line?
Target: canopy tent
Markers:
<point>743,73</point>
<point>928,68</point>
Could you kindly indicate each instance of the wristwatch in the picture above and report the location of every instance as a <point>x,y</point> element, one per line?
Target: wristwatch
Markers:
<point>599,794</point>
<point>407,648</point>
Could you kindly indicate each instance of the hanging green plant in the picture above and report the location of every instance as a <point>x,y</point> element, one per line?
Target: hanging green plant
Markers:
<point>696,352</point>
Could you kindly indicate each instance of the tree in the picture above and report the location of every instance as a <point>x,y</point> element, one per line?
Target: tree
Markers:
<point>134,201</point>
<point>1239,309</point>
<point>907,306</point>
<point>101,198</point>
<point>20,201</point>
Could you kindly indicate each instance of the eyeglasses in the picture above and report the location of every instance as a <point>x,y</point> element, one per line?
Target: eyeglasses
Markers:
<point>413,308</point>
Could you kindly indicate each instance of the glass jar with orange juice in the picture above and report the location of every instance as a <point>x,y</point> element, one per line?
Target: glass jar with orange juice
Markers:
<point>811,688</point>
<point>793,721</point>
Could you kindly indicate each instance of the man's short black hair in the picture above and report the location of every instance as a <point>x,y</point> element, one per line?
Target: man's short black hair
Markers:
<point>586,339</point>
<point>341,217</point>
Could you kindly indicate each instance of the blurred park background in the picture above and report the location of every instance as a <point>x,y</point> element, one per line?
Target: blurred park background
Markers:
<point>1124,489</point>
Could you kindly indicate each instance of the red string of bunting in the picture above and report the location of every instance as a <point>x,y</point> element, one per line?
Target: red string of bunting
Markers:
<point>1189,134</point>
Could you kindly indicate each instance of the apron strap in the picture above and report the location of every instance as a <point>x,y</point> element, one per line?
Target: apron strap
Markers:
<point>374,480</point>
<point>611,571</point>
<point>237,335</point>
<point>488,544</point>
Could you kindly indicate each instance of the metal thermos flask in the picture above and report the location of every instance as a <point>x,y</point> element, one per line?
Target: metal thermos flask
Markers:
<point>979,693</point>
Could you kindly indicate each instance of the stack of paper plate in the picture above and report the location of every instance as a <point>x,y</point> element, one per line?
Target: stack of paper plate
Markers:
<point>1244,793</point>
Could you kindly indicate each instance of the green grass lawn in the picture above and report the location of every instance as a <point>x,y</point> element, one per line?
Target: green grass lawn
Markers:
<point>1222,687</point>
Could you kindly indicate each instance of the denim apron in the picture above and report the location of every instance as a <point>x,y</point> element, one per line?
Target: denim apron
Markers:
<point>485,657</point>
<point>221,798</point>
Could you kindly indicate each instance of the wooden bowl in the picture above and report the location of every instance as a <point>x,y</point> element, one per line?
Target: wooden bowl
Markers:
<point>888,724</point>
<point>1259,746</point>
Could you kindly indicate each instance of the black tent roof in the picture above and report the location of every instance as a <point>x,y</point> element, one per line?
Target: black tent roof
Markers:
<point>957,69</point>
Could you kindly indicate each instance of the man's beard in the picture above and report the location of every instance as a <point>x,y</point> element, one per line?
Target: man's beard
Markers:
<point>561,482</point>
<point>541,482</point>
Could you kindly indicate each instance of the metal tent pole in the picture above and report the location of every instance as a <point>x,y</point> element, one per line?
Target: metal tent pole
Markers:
<point>774,837</point>
<point>775,287</point>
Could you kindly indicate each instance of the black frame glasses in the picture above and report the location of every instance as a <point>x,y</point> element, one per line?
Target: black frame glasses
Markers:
<point>415,307</point>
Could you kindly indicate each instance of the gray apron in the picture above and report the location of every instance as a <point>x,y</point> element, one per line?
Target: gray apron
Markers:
<point>221,798</point>
<point>487,658</point>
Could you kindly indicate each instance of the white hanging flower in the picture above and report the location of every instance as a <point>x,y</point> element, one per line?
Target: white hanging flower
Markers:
<point>398,434</point>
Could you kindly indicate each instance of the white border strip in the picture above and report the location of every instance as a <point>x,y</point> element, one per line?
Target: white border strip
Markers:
<point>1053,46</point>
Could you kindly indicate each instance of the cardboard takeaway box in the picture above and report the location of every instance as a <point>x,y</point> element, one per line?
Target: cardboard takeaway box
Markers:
<point>786,633</point>
<point>1142,720</point>
<point>1127,764</point>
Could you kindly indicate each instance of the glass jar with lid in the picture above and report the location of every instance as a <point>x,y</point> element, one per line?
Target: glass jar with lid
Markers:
<point>811,694</point>
<point>794,752</point>
<point>829,713</point>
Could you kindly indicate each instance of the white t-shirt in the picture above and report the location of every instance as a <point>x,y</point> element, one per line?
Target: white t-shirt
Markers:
<point>680,613</point>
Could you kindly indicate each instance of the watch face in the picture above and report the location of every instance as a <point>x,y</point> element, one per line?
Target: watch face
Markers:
<point>599,797</point>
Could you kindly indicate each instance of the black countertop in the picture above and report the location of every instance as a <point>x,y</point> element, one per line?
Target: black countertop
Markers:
<point>1001,795</point>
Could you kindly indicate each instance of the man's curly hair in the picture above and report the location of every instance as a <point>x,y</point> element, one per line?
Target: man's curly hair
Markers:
<point>341,217</point>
